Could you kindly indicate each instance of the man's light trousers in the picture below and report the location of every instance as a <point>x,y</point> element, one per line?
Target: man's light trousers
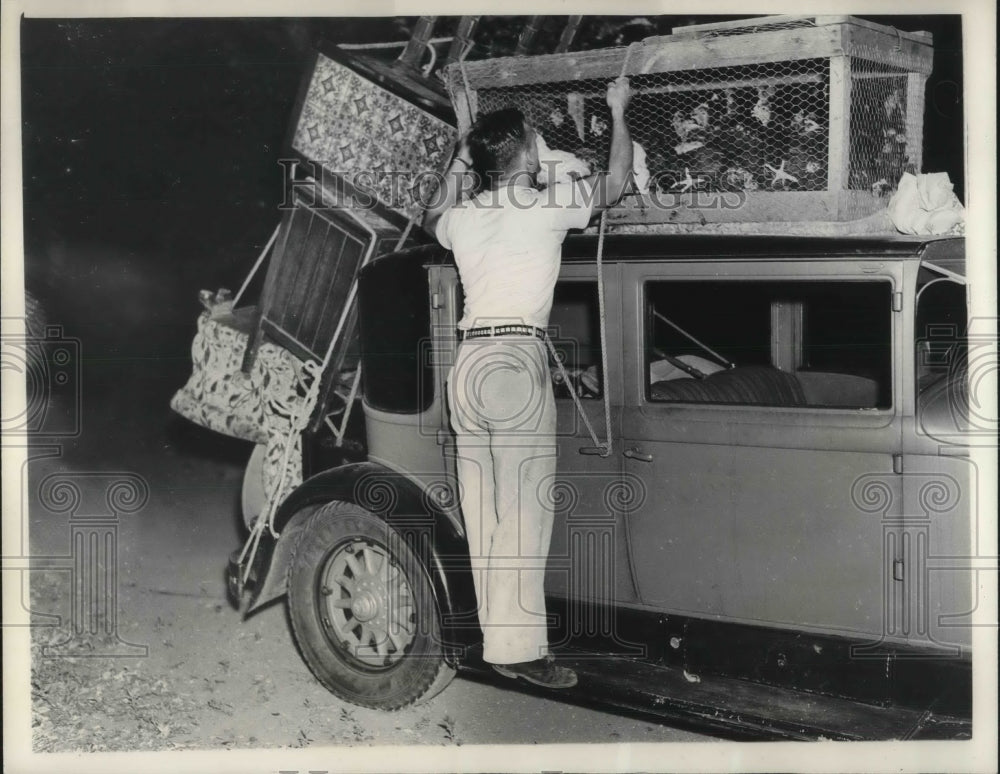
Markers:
<point>503,413</point>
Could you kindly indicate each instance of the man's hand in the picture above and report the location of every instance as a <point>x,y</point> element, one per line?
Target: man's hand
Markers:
<point>462,150</point>
<point>450,190</point>
<point>619,95</point>
<point>610,186</point>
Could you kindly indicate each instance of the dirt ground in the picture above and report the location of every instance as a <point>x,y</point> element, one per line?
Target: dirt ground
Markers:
<point>185,672</point>
<point>193,676</point>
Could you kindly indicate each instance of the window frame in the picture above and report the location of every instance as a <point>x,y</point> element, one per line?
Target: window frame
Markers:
<point>781,270</point>
<point>412,390</point>
<point>614,380</point>
<point>959,337</point>
<point>556,336</point>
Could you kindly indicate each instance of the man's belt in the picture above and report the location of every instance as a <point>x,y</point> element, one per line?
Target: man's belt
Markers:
<point>501,330</point>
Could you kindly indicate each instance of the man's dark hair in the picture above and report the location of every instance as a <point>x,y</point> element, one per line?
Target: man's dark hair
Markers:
<point>494,140</point>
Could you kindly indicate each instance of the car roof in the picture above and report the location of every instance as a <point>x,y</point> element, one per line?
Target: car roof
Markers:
<point>692,246</point>
<point>582,249</point>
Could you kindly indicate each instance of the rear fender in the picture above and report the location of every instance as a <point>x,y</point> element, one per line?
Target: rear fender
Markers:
<point>413,510</point>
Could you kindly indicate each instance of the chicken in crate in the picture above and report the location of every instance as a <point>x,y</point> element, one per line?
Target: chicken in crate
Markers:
<point>776,119</point>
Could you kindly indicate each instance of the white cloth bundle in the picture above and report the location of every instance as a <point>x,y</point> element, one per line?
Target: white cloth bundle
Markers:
<point>557,166</point>
<point>926,204</point>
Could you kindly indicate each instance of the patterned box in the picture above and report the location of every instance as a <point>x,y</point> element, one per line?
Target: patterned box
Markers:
<point>375,139</point>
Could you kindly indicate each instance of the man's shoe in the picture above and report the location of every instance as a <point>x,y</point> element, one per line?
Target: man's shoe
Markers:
<point>541,671</point>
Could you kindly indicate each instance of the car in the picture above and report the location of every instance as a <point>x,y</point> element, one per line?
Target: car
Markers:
<point>771,544</point>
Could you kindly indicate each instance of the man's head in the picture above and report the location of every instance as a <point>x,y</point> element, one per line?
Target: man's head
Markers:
<point>502,146</point>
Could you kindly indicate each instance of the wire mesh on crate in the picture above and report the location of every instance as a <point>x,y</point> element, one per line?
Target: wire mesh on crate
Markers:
<point>789,24</point>
<point>735,124</point>
<point>730,128</point>
<point>885,131</point>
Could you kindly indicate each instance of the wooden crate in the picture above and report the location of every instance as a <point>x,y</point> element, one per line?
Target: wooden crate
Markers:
<point>769,119</point>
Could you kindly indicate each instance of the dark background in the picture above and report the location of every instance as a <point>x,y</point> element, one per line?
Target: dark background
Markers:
<point>151,170</point>
<point>164,135</point>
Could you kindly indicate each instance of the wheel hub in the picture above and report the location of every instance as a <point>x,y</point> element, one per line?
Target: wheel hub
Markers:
<point>367,604</point>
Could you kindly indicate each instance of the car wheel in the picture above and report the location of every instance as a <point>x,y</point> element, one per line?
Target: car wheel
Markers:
<point>252,497</point>
<point>363,611</point>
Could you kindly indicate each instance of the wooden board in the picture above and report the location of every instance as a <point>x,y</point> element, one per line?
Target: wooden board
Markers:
<point>753,207</point>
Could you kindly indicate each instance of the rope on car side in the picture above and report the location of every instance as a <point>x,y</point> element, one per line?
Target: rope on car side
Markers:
<point>606,445</point>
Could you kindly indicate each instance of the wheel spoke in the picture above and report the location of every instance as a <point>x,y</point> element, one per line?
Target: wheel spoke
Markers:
<point>369,560</point>
<point>346,583</point>
<point>346,630</point>
<point>353,564</point>
<point>396,640</point>
<point>344,603</point>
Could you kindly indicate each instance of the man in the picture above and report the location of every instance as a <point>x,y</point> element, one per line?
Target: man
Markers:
<point>507,242</point>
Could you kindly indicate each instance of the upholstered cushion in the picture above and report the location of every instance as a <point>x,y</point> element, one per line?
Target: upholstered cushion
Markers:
<point>758,385</point>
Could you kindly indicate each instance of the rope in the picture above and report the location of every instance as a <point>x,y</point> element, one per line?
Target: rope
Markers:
<point>603,320</point>
<point>600,294</point>
<point>465,80</point>
<point>426,70</point>
<point>628,55</point>
<point>604,333</point>
<point>572,391</point>
<point>390,44</point>
<point>606,445</point>
<point>406,233</point>
<point>260,260</point>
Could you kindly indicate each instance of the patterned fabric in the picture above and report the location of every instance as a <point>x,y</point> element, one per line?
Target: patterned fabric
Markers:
<point>255,407</point>
<point>351,126</point>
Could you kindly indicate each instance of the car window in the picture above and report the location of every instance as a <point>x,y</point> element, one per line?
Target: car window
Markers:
<point>940,331</point>
<point>574,328</point>
<point>395,323</point>
<point>769,343</point>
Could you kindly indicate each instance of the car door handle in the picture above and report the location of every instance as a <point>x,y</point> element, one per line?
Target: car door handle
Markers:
<point>635,453</point>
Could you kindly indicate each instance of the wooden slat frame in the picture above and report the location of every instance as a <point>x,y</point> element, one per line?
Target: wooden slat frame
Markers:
<point>833,38</point>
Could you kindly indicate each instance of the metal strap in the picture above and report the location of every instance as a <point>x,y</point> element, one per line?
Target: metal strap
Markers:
<point>256,266</point>
<point>604,334</point>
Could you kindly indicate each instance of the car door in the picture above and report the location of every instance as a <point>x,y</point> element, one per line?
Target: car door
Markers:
<point>766,487</point>
<point>588,557</point>
<point>587,571</point>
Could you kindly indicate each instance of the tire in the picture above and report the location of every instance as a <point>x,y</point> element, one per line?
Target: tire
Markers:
<point>252,497</point>
<point>347,568</point>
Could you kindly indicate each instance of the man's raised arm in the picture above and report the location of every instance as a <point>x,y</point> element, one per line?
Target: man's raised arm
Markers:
<point>451,187</point>
<point>610,186</point>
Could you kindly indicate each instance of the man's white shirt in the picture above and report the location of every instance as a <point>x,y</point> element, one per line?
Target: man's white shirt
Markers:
<point>508,246</point>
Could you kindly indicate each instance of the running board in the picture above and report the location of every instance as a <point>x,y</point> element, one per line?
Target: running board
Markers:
<point>733,708</point>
